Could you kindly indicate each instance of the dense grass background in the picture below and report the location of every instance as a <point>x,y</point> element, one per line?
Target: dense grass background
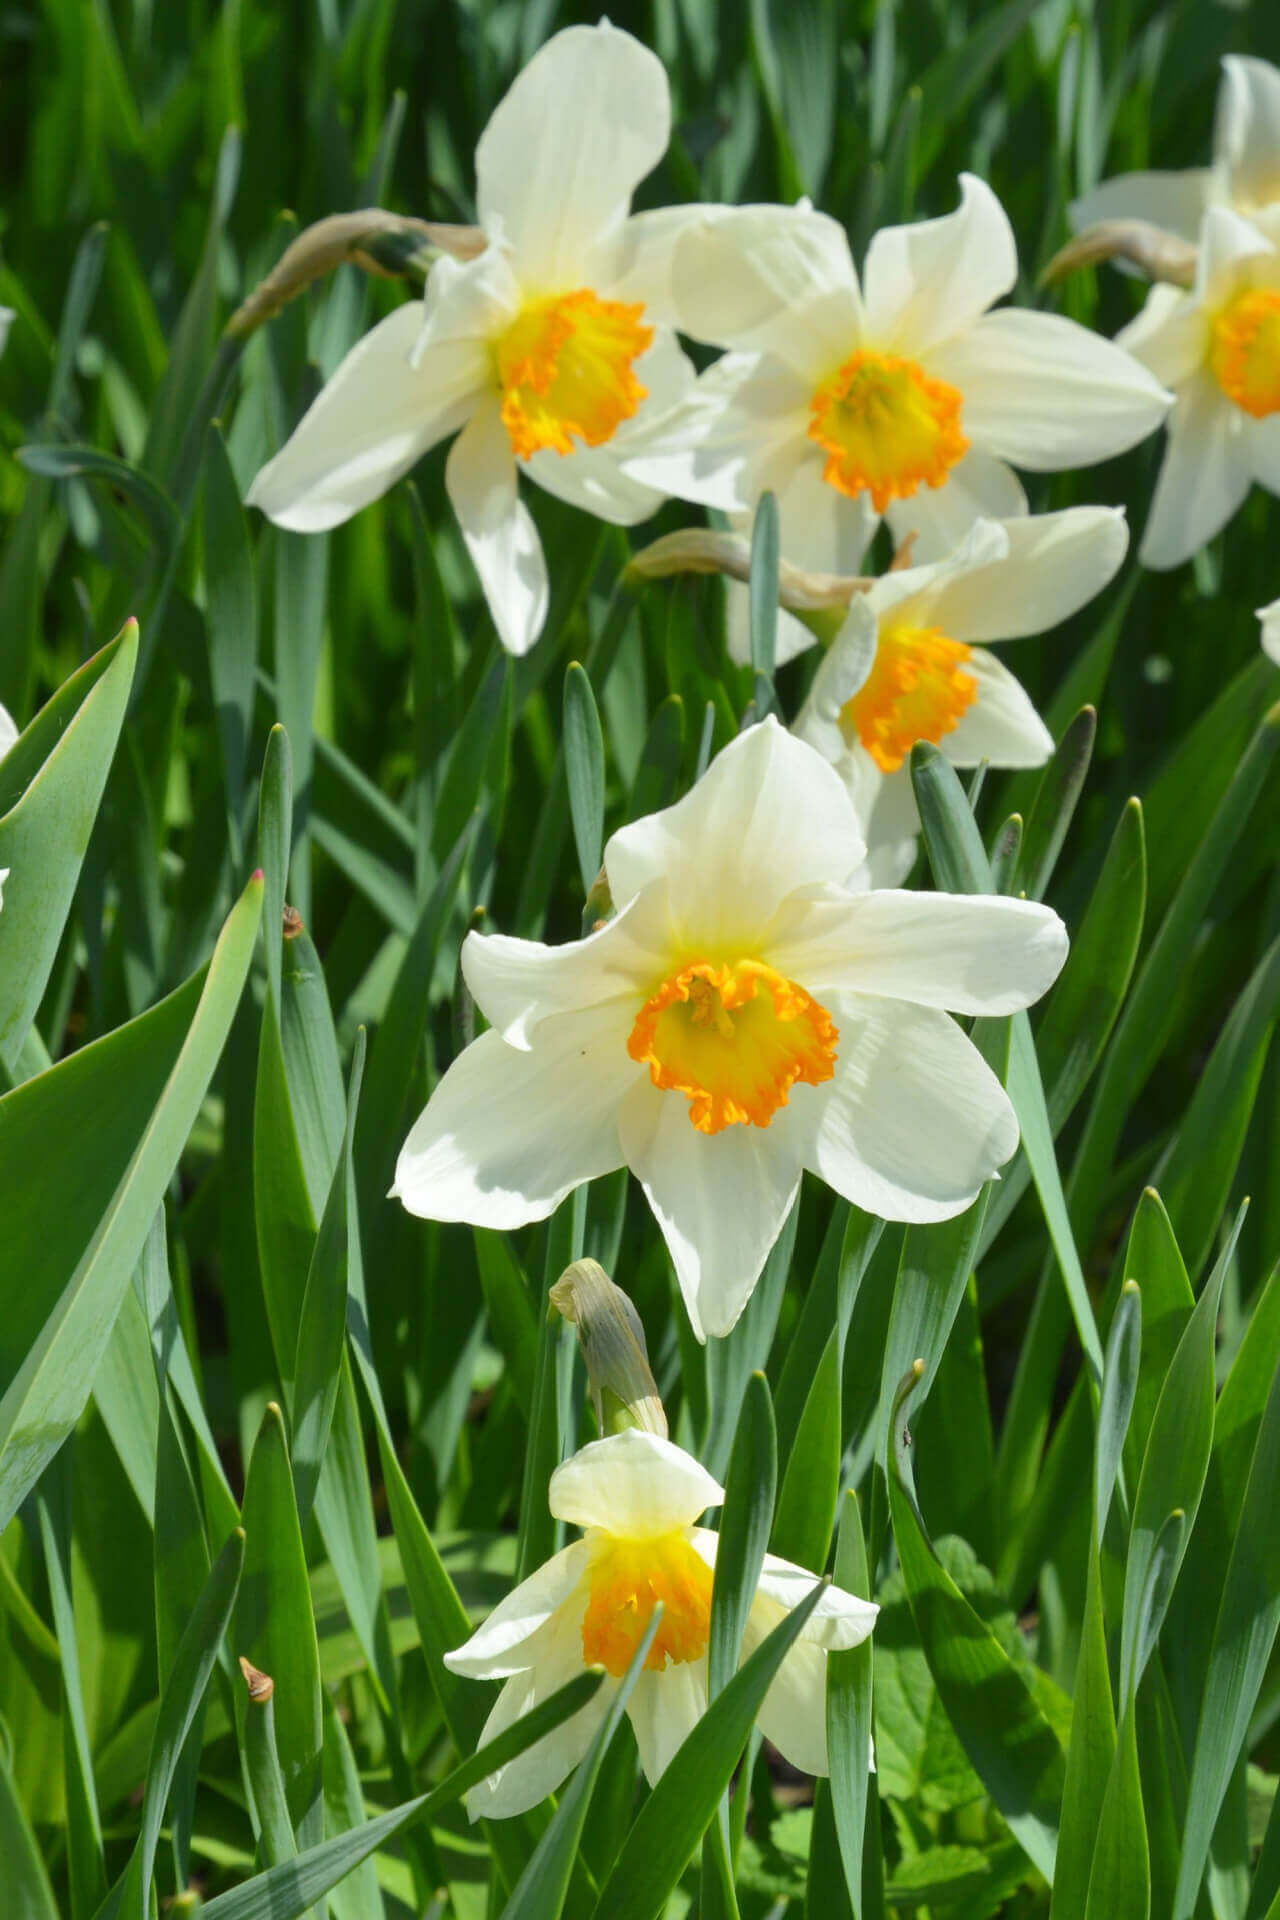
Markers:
<point>158,160</point>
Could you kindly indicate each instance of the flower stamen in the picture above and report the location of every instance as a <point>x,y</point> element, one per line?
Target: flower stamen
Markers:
<point>735,1038</point>
<point>917,690</point>
<point>626,1581</point>
<point>566,369</point>
<point>1244,351</point>
<point>886,428</point>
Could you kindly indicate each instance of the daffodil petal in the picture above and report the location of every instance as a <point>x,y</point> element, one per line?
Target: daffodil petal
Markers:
<point>915,1122</point>
<point>1002,726</point>
<point>768,815</point>
<point>981,487</point>
<point>793,1713</point>
<point>633,1484</point>
<point>769,279</point>
<point>1045,393</point>
<point>726,439</point>
<point>500,1647</point>
<point>578,130</point>
<point>1170,335</point>
<point>1227,242</point>
<point>369,424</point>
<point>1053,563</point>
<point>926,282</point>
<point>719,1198</point>
<point>1270,619</point>
<point>501,538</point>
<point>664,1710</point>
<point>839,1621</point>
<point>8,731</point>
<point>538,1771</point>
<point>1175,201</point>
<point>1247,134</point>
<point>968,953</point>
<point>507,1134</point>
<point>1205,476</point>
<point>518,984</point>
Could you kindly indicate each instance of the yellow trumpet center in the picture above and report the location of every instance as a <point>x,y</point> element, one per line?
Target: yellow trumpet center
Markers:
<point>886,428</point>
<point>735,1039</point>
<point>917,690</point>
<point>626,1582</point>
<point>1244,351</point>
<point>566,369</point>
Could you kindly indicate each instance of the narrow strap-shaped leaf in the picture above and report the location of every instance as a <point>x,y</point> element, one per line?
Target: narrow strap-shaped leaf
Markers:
<point>231,616</point>
<point>45,1397</point>
<point>27,1890</point>
<point>584,771</point>
<point>678,1811</point>
<point>1119,1387</point>
<point>849,1674</point>
<point>322,1328</point>
<point>288,1890</point>
<point>86,1862</point>
<point>540,1892</point>
<point>192,1666</point>
<point>811,1483</point>
<point>1120,1882</point>
<point>763,590</point>
<point>745,1520</point>
<point>1055,803</point>
<point>275,836</point>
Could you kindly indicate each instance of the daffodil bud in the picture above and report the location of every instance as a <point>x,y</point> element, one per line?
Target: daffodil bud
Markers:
<point>393,245</point>
<point>702,550</point>
<point>623,1390</point>
<point>1154,251</point>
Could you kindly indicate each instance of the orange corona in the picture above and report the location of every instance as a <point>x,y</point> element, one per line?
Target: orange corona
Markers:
<point>735,1038</point>
<point>916,690</point>
<point>626,1582</point>
<point>886,428</point>
<point>1244,351</point>
<point>566,369</point>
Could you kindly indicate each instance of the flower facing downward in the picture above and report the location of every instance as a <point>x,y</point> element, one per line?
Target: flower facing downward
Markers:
<point>542,353</point>
<point>909,664</point>
<point>637,1497</point>
<point>1218,347</point>
<point>746,1015</point>
<point>898,394</point>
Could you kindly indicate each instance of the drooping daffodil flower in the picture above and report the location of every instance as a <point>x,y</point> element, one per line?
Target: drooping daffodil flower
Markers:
<point>911,662</point>
<point>1270,619</point>
<point>1244,175</point>
<point>638,1498</point>
<point>898,394</point>
<point>542,353</point>
<point>744,1016</point>
<point>1218,346</point>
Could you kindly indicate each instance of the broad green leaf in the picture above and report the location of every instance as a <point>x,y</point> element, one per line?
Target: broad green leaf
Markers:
<point>46,1390</point>
<point>1010,1744</point>
<point>43,836</point>
<point>681,1806</point>
<point>584,771</point>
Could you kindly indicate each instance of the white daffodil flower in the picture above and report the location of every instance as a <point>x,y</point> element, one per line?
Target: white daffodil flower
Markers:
<point>542,354</point>
<point>1245,174</point>
<point>1270,618</point>
<point>901,396</point>
<point>637,1497</point>
<point>908,664</point>
<point>745,1016</point>
<point>1218,347</point>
